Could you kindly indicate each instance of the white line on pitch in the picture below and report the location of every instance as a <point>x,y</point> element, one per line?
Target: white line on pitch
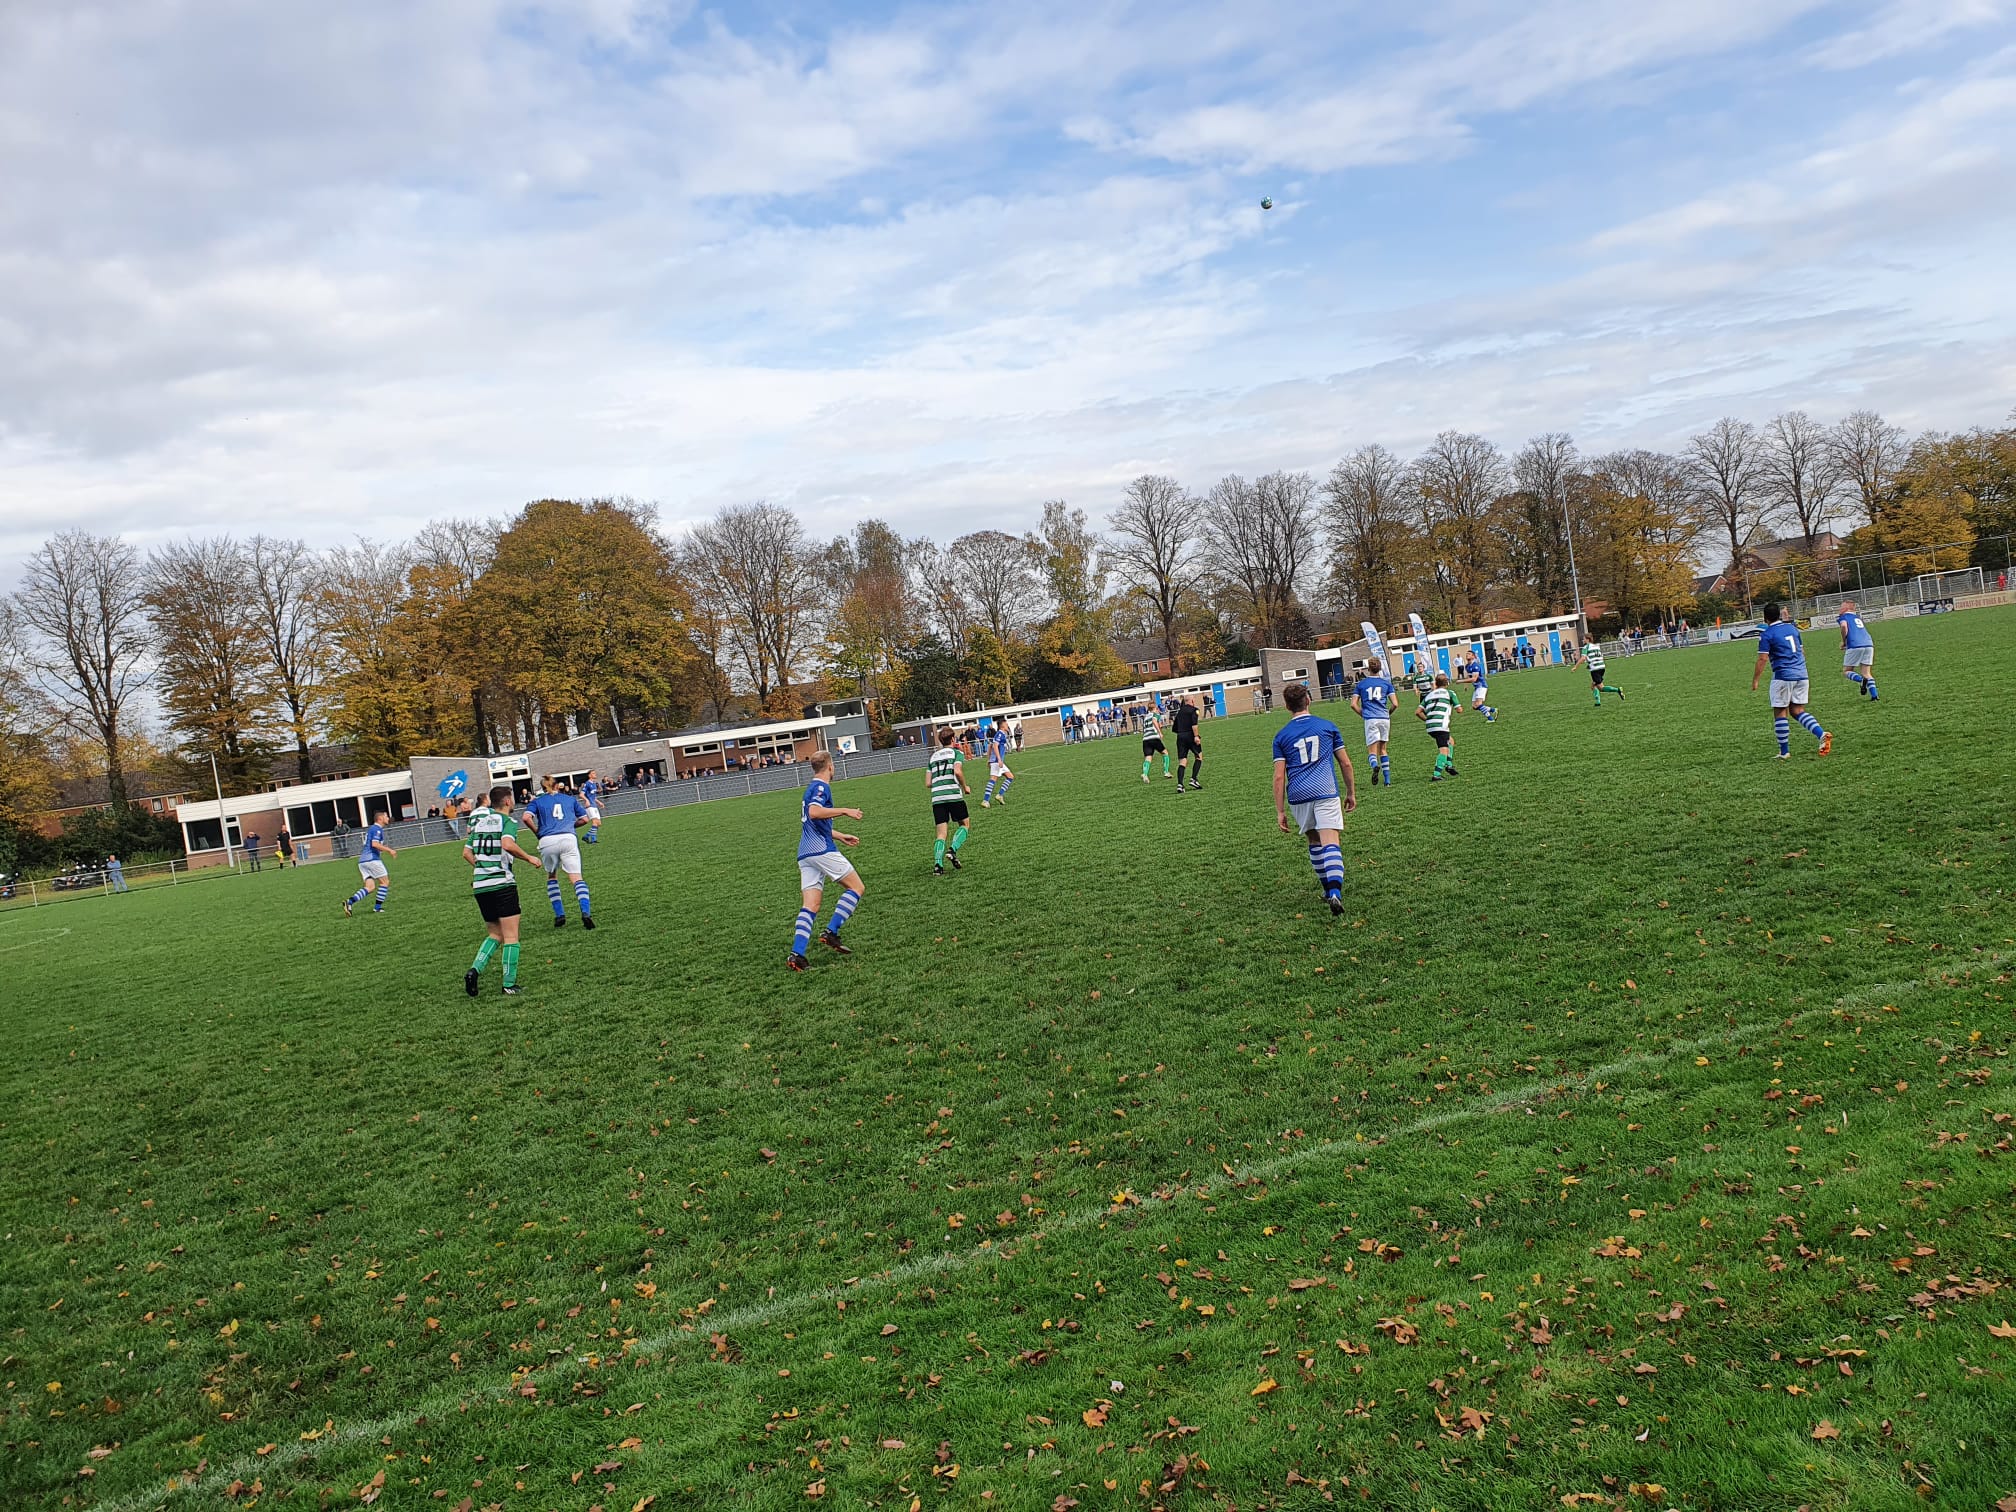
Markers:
<point>941,1264</point>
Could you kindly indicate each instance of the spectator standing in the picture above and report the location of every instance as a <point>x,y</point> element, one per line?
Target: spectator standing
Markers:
<point>116,872</point>
<point>252,846</point>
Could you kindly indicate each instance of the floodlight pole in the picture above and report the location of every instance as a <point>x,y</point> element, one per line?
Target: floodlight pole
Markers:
<point>218,784</point>
<point>1574,578</point>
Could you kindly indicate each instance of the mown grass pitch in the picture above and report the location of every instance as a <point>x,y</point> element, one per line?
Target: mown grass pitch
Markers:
<point>1645,1124</point>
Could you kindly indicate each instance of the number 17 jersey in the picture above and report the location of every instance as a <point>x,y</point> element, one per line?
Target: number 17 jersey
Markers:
<point>1309,746</point>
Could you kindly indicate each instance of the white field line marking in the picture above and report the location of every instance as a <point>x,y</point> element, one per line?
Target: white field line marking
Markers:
<point>44,937</point>
<point>248,1466</point>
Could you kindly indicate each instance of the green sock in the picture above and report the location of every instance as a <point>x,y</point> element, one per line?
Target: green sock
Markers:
<point>938,851</point>
<point>510,965</point>
<point>1146,763</point>
<point>483,953</point>
<point>958,839</point>
<point>1165,765</point>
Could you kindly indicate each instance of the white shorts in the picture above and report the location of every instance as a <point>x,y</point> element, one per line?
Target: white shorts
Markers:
<point>372,871</point>
<point>1317,814</point>
<point>1785,694</point>
<point>1477,696</point>
<point>997,769</point>
<point>817,871</point>
<point>1378,731</point>
<point>1858,656</point>
<point>560,853</point>
<point>594,814</point>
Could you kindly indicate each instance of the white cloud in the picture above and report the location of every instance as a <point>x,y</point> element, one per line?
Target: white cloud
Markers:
<point>1907,26</point>
<point>338,271</point>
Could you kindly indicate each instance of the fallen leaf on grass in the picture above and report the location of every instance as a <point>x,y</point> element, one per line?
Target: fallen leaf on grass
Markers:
<point>1826,1430</point>
<point>1095,1417</point>
<point>1651,1490</point>
<point>1063,1503</point>
<point>2003,1330</point>
<point>892,1443</point>
<point>643,1502</point>
<point>631,1443</point>
<point>372,1489</point>
<point>888,1329</point>
<point>1307,1282</point>
<point>1398,1329</point>
<point>1270,1384</point>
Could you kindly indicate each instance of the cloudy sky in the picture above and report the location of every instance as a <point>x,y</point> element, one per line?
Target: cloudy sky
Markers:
<point>334,269</point>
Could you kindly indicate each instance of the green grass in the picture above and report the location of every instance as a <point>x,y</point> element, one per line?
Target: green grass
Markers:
<point>1650,1087</point>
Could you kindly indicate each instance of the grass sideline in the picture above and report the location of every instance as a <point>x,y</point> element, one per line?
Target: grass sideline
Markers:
<point>1638,1124</point>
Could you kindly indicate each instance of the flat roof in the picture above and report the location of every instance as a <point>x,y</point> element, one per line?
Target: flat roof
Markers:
<point>296,796</point>
<point>1189,683</point>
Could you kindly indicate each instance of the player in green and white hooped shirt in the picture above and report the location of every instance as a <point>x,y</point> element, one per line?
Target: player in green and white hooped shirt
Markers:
<point>947,781</point>
<point>1592,658</point>
<point>1152,744</point>
<point>492,842</point>
<point>1437,705</point>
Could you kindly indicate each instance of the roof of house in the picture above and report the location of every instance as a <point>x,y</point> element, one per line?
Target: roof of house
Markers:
<point>89,790</point>
<point>1132,649</point>
<point>1791,549</point>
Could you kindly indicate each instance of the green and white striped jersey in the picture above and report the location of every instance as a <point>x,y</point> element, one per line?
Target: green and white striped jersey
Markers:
<point>488,831</point>
<point>945,765</point>
<point>1439,705</point>
<point>1592,656</point>
<point>1151,726</point>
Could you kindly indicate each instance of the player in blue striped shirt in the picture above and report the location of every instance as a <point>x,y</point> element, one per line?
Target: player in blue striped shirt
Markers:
<point>1305,782</point>
<point>1858,650</point>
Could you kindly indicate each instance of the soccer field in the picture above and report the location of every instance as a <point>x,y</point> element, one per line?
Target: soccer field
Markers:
<point>1645,1123</point>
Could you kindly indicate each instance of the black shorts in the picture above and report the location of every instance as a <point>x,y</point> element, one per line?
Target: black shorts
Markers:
<point>497,904</point>
<point>1186,745</point>
<point>1441,738</point>
<point>949,813</point>
<point>1596,675</point>
<point>1151,745</point>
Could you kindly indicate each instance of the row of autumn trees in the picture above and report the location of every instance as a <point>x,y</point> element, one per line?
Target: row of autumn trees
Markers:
<point>485,636</point>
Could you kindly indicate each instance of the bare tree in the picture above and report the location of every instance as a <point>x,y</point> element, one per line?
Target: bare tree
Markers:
<point>998,573</point>
<point>1724,465</point>
<point>1155,548</point>
<point>757,560</point>
<point>1868,451</point>
<point>216,676</point>
<point>1458,480</point>
<point>84,599</point>
<point>1545,471</point>
<point>1369,516</point>
<point>713,637</point>
<point>946,612</point>
<point>285,575</point>
<point>1259,539</point>
<point>1800,471</point>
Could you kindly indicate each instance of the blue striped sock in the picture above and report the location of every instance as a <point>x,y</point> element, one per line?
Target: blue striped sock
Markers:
<point>581,897</point>
<point>1006,783</point>
<point>843,910</point>
<point>988,796</point>
<point>1332,866</point>
<point>1857,677</point>
<point>553,897</point>
<point>382,891</point>
<point>1783,729</point>
<point>801,936</point>
<point>360,895</point>
<point>1316,861</point>
<point>1811,725</point>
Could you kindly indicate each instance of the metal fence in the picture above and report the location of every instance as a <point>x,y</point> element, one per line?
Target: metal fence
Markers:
<point>81,884</point>
<point>664,795</point>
